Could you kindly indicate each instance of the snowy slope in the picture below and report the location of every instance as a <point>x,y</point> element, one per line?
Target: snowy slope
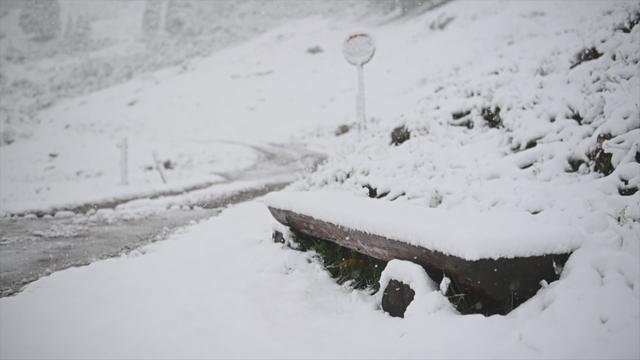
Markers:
<point>205,118</point>
<point>444,85</point>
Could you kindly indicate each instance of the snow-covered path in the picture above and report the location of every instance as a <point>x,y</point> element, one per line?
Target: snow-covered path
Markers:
<point>33,247</point>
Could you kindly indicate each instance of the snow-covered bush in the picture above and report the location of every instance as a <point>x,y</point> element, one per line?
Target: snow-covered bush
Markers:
<point>152,16</point>
<point>513,127</point>
<point>41,19</point>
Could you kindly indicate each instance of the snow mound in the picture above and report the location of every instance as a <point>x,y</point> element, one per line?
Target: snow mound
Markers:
<point>409,273</point>
<point>427,298</point>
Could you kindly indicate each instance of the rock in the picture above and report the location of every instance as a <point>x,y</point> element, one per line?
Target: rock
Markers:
<point>278,237</point>
<point>396,298</point>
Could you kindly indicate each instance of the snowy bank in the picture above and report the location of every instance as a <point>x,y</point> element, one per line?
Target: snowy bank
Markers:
<point>223,289</point>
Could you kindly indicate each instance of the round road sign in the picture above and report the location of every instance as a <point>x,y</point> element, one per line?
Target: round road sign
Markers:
<point>358,48</point>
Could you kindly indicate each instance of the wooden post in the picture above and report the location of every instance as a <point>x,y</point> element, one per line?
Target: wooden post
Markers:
<point>124,161</point>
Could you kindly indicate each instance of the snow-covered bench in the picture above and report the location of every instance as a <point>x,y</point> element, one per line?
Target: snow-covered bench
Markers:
<point>500,257</point>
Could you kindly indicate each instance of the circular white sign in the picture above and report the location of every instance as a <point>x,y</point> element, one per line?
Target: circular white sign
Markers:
<point>358,48</point>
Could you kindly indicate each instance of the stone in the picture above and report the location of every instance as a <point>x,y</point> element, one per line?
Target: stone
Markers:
<point>396,298</point>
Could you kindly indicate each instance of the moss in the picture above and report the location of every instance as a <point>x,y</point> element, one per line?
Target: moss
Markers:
<point>399,135</point>
<point>344,265</point>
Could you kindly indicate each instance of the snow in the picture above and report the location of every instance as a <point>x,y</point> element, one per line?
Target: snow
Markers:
<point>408,273</point>
<point>206,117</point>
<point>513,56</point>
<point>465,234</point>
<point>223,289</point>
<point>427,299</point>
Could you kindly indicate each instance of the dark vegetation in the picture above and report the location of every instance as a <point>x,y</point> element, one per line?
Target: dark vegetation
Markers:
<point>344,265</point>
<point>492,117</point>
<point>601,159</point>
<point>630,23</point>
<point>586,54</point>
<point>169,165</point>
<point>462,118</point>
<point>575,115</point>
<point>342,129</point>
<point>399,135</point>
<point>373,192</point>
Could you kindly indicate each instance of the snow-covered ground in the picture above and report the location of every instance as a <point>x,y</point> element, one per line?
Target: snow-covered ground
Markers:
<point>220,289</point>
<point>223,289</point>
<point>202,120</point>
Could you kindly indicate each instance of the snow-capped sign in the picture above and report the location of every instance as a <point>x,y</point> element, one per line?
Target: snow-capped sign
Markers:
<point>358,48</point>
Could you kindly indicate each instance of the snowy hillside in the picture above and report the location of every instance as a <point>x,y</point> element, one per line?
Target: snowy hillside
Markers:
<point>495,107</point>
<point>166,92</point>
<point>201,118</point>
<point>505,117</point>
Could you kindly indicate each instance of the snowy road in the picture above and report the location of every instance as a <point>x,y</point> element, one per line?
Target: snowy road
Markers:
<point>34,247</point>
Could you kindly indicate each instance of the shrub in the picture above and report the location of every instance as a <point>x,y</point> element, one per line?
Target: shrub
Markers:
<point>399,135</point>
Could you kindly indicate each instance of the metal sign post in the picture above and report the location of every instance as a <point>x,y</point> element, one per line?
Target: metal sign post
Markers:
<point>358,49</point>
